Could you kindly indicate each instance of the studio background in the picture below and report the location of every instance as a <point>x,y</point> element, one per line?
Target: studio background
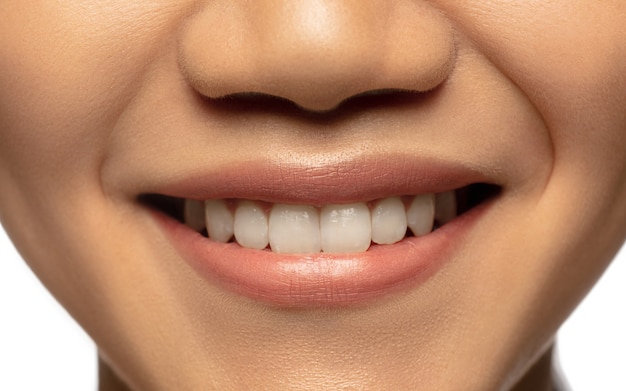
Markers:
<point>42,348</point>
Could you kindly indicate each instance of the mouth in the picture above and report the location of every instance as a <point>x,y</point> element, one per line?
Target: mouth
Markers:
<point>318,237</point>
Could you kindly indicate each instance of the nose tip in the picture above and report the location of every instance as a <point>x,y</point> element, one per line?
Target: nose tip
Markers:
<point>315,53</point>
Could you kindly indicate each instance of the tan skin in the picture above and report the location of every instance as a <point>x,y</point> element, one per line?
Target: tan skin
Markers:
<point>101,100</point>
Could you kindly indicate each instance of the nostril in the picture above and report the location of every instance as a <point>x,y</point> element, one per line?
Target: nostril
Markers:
<point>254,102</point>
<point>370,100</point>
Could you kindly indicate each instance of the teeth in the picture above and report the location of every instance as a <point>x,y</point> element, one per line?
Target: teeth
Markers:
<point>445,207</point>
<point>421,214</point>
<point>337,228</point>
<point>251,226</point>
<point>219,220</point>
<point>345,228</point>
<point>388,221</point>
<point>294,229</point>
<point>194,215</point>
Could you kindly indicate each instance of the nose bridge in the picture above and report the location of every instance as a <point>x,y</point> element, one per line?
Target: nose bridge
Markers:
<point>316,39</point>
<point>315,53</point>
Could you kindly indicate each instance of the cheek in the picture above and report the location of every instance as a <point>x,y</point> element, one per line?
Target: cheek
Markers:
<point>66,72</point>
<point>569,59</point>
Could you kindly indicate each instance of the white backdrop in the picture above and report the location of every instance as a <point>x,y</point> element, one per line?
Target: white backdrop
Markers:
<point>42,348</point>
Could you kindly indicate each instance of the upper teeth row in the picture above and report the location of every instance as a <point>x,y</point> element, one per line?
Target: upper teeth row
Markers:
<point>335,228</point>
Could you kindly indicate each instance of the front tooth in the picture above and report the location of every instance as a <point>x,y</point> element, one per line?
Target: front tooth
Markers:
<point>345,228</point>
<point>445,207</point>
<point>250,226</point>
<point>388,221</point>
<point>294,229</point>
<point>194,215</point>
<point>219,220</point>
<point>421,214</point>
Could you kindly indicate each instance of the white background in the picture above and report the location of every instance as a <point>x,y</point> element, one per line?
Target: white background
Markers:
<point>42,348</point>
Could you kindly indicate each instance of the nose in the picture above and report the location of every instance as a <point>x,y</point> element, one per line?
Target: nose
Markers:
<point>315,53</point>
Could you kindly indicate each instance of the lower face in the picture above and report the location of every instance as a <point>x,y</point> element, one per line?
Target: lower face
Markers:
<point>309,264</point>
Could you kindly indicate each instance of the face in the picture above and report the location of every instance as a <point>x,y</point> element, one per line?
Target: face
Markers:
<point>114,115</point>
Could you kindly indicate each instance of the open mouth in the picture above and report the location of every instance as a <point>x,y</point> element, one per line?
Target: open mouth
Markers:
<point>322,234</point>
<point>331,228</point>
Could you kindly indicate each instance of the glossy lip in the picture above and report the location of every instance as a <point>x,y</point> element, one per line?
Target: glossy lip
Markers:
<point>321,279</point>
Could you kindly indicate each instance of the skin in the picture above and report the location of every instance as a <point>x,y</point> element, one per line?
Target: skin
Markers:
<point>99,101</point>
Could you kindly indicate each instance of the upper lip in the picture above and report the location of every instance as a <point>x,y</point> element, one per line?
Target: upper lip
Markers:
<point>354,180</point>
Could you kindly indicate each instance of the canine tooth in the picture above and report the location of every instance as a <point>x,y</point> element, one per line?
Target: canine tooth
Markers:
<point>194,215</point>
<point>294,229</point>
<point>388,221</point>
<point>421,214</point>
<point>345,228</point>
<point>219,220</point>
<point>250,225</point>
<point>445,207</point>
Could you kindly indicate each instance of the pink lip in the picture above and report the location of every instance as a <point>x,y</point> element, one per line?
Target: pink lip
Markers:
<point>347,181</point>
<point>321,279</point>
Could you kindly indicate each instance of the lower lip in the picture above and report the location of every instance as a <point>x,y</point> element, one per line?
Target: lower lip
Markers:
<point>320,280</point>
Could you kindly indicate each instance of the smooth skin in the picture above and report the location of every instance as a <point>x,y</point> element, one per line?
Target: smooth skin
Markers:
<point>102,101</point>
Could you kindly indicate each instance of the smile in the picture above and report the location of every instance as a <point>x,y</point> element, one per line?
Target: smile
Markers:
<point>332,228</point>
<point>287,240</point>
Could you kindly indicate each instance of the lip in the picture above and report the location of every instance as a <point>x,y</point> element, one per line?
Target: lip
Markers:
<point>352,180</point>
<point>322,279</point>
